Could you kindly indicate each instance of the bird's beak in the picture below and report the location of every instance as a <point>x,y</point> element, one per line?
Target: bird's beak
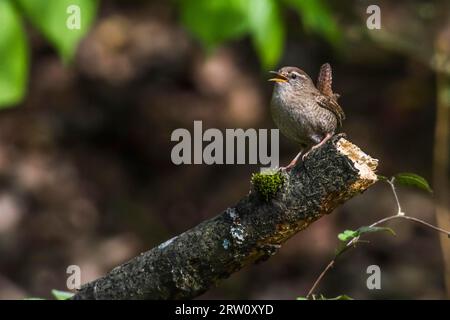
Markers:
<point>279,77</point>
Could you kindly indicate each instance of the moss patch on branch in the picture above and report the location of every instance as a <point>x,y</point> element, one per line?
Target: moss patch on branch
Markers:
<point>267,183</point>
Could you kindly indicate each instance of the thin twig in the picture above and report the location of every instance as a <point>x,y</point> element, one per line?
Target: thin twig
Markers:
<point>415,220</point>
<point>391,183</point>
<point>316,283</point>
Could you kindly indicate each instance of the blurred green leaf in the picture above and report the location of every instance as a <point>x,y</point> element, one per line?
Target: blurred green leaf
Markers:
<point>13,56</point>
<point>317,17</point>
<point>267,30</point>
<point>61,295</point>
<point>214,21</point>
<point>51,17</point>
<point>412,179</point>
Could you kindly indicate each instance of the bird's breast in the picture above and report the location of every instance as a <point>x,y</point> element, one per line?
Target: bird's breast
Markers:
<point>303,121</point>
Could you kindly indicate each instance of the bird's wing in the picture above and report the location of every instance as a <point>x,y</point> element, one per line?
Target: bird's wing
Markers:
<point>330,103</point>
<point>325,79</point>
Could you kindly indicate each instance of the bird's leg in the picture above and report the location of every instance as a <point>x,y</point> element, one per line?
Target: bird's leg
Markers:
<point>321,143</point>
<point>293,162</point>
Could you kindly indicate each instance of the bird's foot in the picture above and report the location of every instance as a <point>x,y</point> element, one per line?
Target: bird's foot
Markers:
<point>306,153</point>
<point>321,143</point>
<point>286,168</point>
<point>290,165</point>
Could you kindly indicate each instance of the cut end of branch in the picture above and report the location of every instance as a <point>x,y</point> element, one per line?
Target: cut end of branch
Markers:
<point>365,164</point>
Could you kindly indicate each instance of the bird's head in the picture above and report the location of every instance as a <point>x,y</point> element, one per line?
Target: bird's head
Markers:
<point>291,79</point>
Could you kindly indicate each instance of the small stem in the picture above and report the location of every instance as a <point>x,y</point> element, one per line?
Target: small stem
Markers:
<point>400,215</point>
<point>316,283</point>
<point>391,183</point>
<point>355,240</point>
<point>429,225</point>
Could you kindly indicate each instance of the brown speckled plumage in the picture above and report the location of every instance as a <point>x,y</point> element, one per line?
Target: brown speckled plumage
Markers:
<point>304,113</point>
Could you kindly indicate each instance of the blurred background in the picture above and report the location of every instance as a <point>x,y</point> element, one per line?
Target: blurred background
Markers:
<point>86,117</point>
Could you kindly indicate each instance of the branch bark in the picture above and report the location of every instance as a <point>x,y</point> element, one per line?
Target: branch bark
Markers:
<point>251,231</point>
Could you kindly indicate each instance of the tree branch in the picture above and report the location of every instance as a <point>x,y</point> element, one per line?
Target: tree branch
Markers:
<point>251,231</point>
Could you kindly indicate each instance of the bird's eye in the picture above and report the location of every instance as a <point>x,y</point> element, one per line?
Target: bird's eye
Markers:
<point>293,76</point>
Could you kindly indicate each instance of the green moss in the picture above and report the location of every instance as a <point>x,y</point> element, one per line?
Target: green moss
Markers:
<point>267,183</point>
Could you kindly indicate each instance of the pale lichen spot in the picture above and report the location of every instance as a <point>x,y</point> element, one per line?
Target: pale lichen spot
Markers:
<point>232,213</point>
<point>165,244</point>
<point>238,234</point>
<point>226,244</point>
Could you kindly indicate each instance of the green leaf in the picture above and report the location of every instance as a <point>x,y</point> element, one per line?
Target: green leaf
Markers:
<point>53,20</point>
<point>412,179</point>
<point>317,17</point>
<point>369,229</point>
<point>267,30</point>
<point>382,178</point>
<point>13,56</point>
<point>347,235</point>
<point>61,295</point>
<point>214,22</point>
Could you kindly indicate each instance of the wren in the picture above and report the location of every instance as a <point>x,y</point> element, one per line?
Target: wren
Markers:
<point>304,113</point>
